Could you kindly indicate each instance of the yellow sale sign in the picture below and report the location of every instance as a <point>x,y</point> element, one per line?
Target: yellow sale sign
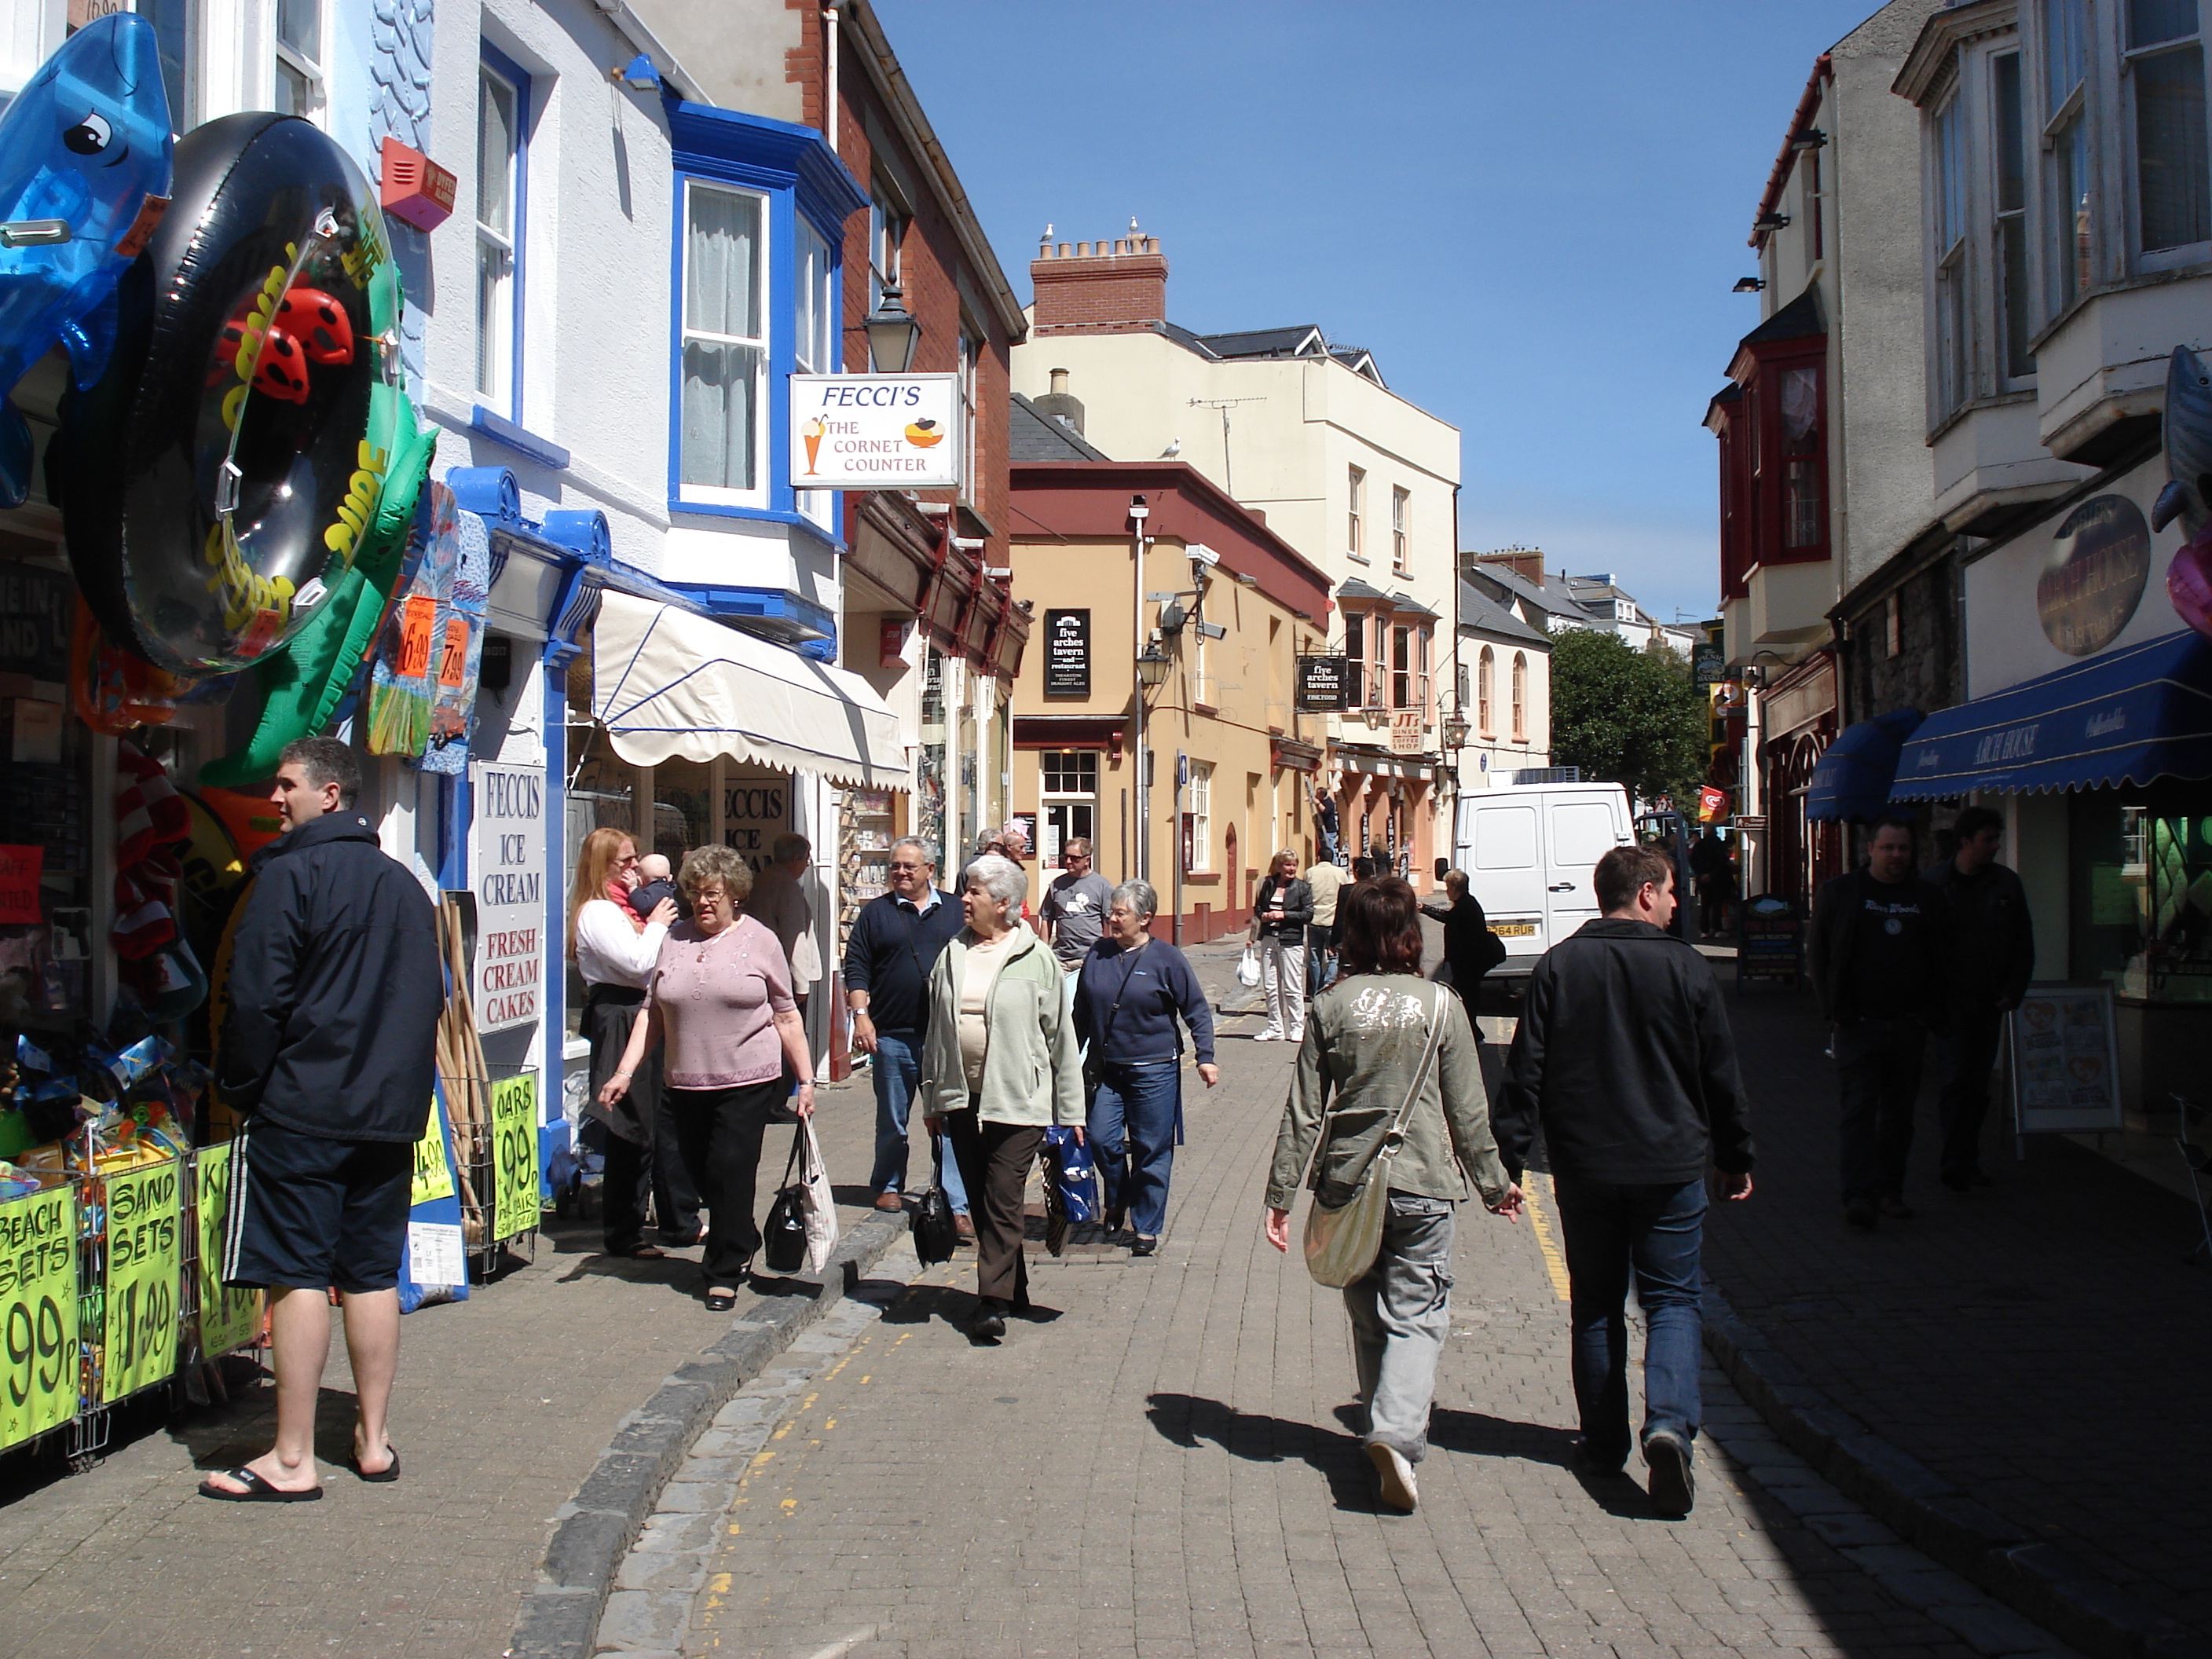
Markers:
<point>39,1369</point>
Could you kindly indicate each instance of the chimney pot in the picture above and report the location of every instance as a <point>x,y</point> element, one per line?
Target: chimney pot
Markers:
<point>1064,250</point>
<point>1083,249</point>
<point>1059,383</point>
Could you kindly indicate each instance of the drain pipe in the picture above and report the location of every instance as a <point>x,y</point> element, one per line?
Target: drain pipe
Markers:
<point>829,77</point>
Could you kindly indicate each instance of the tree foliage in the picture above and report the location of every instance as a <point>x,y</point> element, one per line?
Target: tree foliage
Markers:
<point>1627,716</point>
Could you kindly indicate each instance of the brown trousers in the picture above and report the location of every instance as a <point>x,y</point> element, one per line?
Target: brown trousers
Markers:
<point>994,1161</point>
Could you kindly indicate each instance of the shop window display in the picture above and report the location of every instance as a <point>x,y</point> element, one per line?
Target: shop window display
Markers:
<point>2141,898</point>
<point>683,808</point>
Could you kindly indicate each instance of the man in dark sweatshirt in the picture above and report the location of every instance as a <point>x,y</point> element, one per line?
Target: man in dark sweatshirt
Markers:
<point>1992,959</point>
<point>896,940</point>
<point>1878,957</point>
<point>328,1052</point>
<point>1624,1058</point>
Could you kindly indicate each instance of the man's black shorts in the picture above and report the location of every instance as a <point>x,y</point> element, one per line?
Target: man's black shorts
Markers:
<point>306,1212</point>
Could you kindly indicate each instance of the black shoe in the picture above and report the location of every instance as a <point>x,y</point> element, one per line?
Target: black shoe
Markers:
<point>989,1325</point>
<point>1114,1220</point>
<point>1598,1469</point>
<point>1896,1209</point>
<point>1142,1246</point>
<point>1674,1487</point>
<point>1859,1213</point>
<point>1981,1178</point>
<point>1958,1183</point>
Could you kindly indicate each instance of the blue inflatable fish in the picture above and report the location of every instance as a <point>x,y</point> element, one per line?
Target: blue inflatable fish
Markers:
<point>2188,494</point>
<point>85,156</point>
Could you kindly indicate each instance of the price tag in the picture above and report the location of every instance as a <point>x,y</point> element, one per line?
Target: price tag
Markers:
<point>515,1204</point>
<point>453,663</point>
<point>38,1314</point>
<point>229,1318</point>
<point>434,1171</point>
<point>139,1344</point>
<point>418,619</point>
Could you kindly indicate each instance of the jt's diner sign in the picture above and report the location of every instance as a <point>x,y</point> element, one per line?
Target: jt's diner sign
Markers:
<point>876,432</point>
<point>510,885</point>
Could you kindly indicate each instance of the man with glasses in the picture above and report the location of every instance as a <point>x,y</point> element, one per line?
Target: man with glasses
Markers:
<point>1075,909</point>
<point>895,942</point>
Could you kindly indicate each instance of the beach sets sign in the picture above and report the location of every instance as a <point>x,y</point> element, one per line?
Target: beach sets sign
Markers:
<point>876,432</point>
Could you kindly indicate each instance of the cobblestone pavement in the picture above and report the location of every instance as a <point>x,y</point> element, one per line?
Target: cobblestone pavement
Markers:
<point>2038,1343</point>
<point>1157,1468</point>
<point>503,1406</point>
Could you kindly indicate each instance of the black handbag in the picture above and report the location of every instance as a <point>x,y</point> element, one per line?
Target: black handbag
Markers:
<point>784,1239</point>
<point>935,1236</point>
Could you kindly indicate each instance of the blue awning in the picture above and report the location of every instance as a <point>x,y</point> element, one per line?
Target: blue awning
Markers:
<point>1852,780</point>
<point>2126,717</point>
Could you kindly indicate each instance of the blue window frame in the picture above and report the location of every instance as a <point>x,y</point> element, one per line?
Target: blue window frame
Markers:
<point>754,268</point>
<point>502,227</point>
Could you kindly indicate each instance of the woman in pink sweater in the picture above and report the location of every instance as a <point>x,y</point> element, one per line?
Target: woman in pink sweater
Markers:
<point>721,1001</point>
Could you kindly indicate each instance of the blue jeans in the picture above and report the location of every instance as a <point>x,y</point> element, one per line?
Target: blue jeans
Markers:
<point>1132,1136</point>
<point>1613,1230</point>
<point>896,1071</point>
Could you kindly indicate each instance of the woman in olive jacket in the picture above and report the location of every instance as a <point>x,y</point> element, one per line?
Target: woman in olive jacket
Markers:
<point>1000,1064</point>
<point>1364,1043</point>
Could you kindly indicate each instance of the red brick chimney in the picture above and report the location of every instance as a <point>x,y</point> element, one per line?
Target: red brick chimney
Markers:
<point>1525,562</point>
<point>1103,287</point>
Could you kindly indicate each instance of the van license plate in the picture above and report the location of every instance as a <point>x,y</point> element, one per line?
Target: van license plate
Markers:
<point>1514,929</point>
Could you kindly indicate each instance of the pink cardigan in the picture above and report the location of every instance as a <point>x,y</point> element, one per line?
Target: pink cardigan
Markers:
<point>717,1016</point>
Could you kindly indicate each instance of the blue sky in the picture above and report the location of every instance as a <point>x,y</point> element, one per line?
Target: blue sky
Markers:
<point>1531,214</point>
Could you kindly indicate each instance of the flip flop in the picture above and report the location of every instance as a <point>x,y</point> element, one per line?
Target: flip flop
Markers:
<point>258,1490</point>
<point>384,1476</point>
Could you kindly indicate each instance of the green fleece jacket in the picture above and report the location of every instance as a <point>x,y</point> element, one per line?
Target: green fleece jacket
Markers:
<point>1032,1073</point>
<point>1364,1039</point>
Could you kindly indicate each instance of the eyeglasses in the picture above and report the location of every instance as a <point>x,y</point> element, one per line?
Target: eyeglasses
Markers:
<point>629,858</point>
<point>895,865</point>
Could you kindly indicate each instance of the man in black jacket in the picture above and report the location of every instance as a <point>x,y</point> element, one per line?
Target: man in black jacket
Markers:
<point>1471,950</point>
<point>1992,959</point>
<point>896,940</point>
<point>1624,1058</point>
<point>329,1053</point>
<point>1878,957</point>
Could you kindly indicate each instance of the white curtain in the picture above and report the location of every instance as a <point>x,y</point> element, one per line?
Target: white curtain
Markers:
<point>721,379</point>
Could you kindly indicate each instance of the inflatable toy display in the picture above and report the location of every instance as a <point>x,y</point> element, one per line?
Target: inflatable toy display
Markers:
<point>2188,494</point>
<point>84,176</point>
<point>220,479</point>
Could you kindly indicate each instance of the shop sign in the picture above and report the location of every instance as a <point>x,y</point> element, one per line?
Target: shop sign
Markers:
<point>138,1345</point>
<point>1708,664</point>
<point>2065,1062</point>
<point>1405,731</point>
<point>876,432</point>
<point>1322,685</point>
<point>515,1207</point>
<point>755,810</point>
<point>510,885</point>
<point>39,1368</point>
<point>890,642</point>
<point>37,610</point>
<point>18,885</point>
<point>230,1317</point>
<point>1067,653</point>
<point>2094,577</point>
<point>1770,941</point>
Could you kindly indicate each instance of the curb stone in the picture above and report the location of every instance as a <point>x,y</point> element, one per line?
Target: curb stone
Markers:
<point>559,1617</point>
<point>2035,1579</point>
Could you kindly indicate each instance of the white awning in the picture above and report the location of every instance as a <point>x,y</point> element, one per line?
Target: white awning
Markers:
<point>668,684</point>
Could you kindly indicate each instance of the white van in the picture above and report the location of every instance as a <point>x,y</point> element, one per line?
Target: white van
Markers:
<point>1528,850</point>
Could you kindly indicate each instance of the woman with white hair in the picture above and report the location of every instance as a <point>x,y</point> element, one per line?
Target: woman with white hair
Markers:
<point>999,1066</point>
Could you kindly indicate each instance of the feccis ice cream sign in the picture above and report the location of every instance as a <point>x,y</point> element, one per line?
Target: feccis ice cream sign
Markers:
<point>876,432</point>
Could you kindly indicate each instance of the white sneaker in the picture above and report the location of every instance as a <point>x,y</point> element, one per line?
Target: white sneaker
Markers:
<point>1269,1036</point>
<point>1399,1490</point>
<point>1298,1035</point>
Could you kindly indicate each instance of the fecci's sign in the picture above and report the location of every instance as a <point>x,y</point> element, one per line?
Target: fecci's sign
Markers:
<point>510,883</point>
<point>876,432</point>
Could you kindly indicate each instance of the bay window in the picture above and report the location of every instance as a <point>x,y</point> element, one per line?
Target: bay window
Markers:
<point>2071,237</point>
<point>2164,67</point>
<point>2014,323</point>
<point>1954,303</point>
<point>724,348</point>
<point>1355,658</point>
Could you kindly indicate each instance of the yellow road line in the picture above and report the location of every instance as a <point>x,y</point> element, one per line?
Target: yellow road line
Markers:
<point>1555,1264</point>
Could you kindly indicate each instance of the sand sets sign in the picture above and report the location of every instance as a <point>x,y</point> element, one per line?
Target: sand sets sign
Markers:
<point>877,432</point>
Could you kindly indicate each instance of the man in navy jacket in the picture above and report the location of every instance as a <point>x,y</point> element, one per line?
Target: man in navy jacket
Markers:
<point>896,940</point>
<point>328,1052</point>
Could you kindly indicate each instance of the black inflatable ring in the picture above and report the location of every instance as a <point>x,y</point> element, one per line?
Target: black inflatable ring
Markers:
<point>257,317</point>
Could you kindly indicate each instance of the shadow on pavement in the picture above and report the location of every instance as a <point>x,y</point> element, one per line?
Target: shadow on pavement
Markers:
<point>1185,1420</point>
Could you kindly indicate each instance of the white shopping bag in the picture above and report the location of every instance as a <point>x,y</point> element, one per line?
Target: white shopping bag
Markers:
<point>815,1203</point>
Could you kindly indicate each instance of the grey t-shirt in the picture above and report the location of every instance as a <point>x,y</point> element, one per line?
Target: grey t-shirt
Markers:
<point>1076,908</point>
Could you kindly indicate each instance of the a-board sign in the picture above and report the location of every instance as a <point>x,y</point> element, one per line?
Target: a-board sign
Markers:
<point>510,888</point>
<point>2065,1061</point>
<point>1067,653</point>
<point>139,1344</point>
<point>1770,941</point>
<point>229,1318</point>
<point>39,1369</point>
<point>515,1207</point>
<point>1322,685</point>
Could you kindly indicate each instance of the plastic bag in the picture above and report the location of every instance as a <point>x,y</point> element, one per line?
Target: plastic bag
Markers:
<point>1248,968</point>
<point>817,1208</point>
<point>1074,1175</point>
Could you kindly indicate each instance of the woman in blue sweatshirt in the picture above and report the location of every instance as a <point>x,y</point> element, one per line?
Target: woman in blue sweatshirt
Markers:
<point>1128,996</point>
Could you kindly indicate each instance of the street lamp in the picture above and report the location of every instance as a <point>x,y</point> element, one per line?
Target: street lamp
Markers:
<point>892,332</point>
<point>1153,667</point>
<point>1456,729</point>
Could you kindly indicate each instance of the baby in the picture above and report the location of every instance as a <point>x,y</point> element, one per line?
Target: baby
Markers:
<point>653,884</point>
